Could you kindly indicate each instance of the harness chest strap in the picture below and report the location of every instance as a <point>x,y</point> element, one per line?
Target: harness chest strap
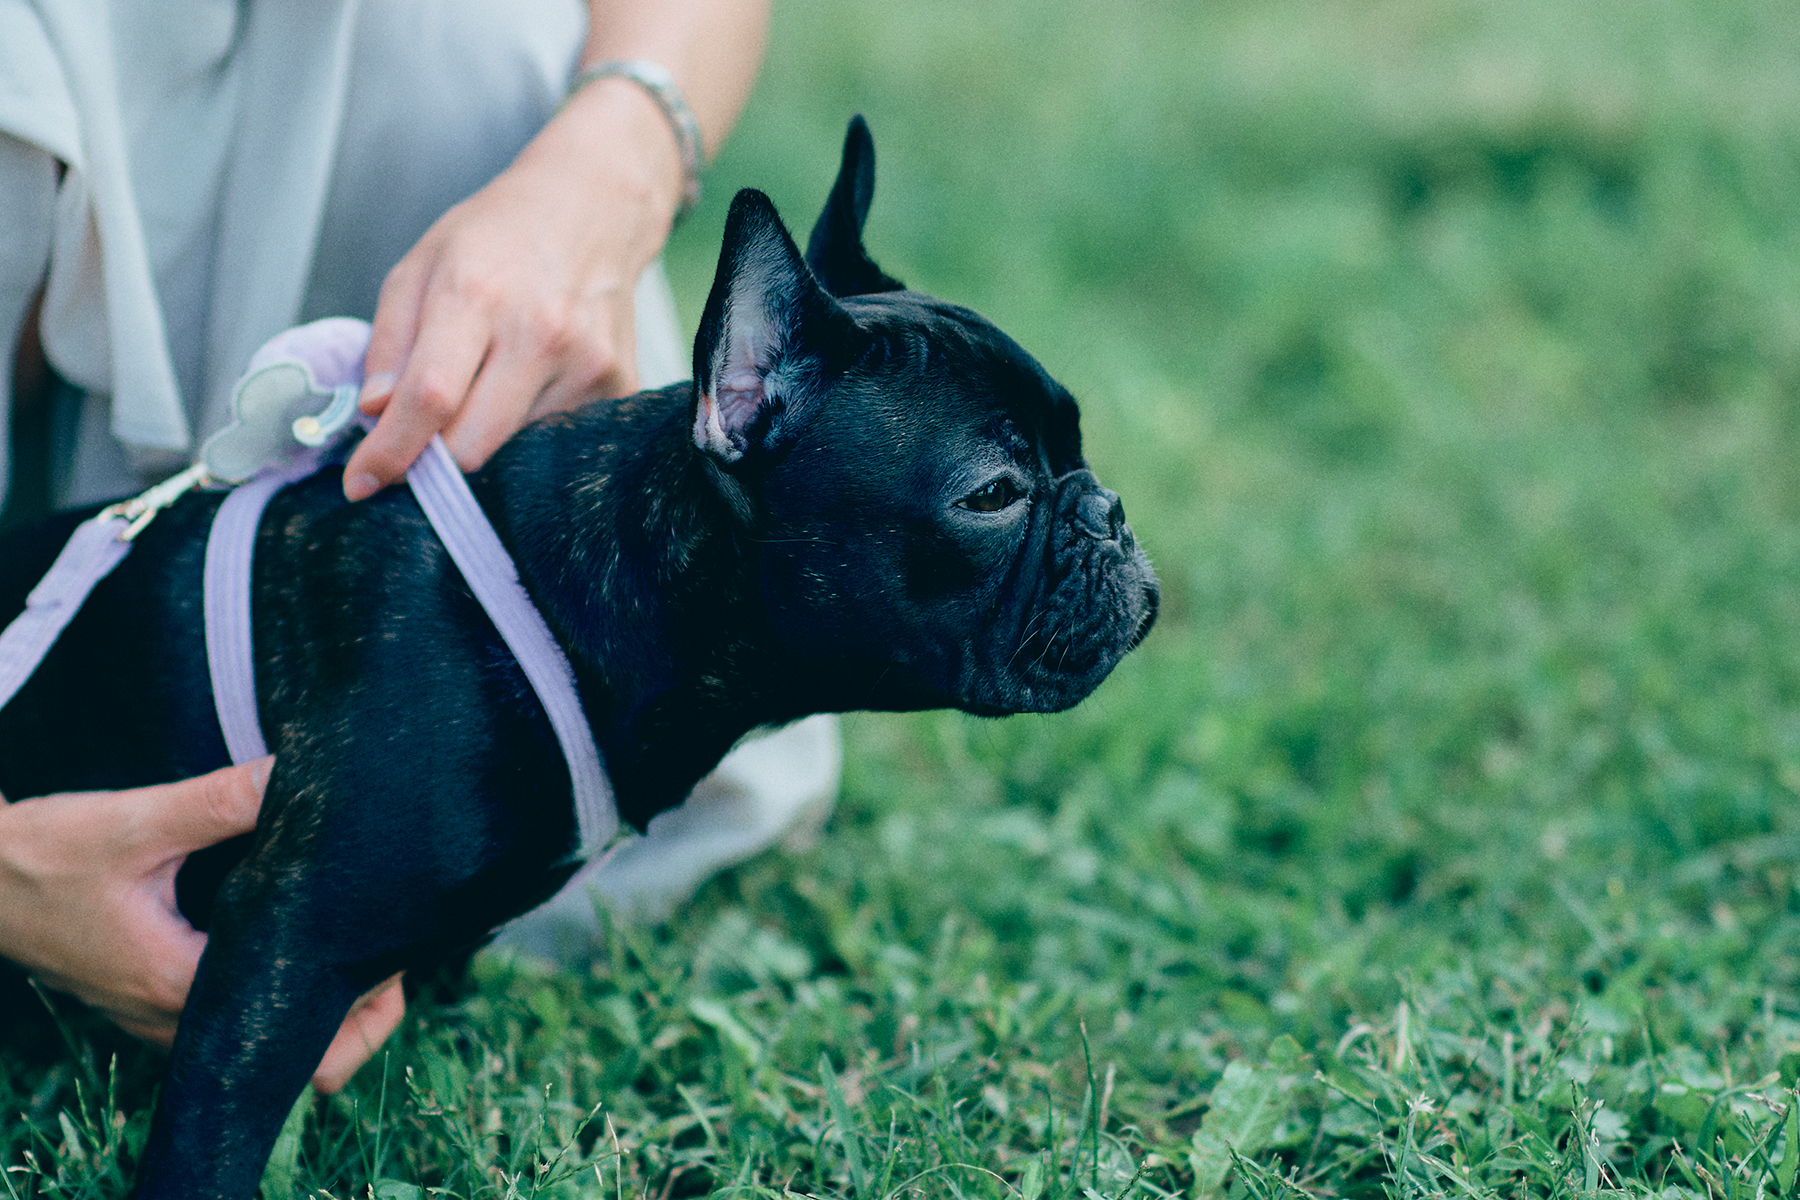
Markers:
<point>444,494</point>
<point>230,655</point>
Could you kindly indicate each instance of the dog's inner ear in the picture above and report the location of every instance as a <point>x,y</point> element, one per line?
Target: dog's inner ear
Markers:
<point>762,336</point>
<point>835,249</point>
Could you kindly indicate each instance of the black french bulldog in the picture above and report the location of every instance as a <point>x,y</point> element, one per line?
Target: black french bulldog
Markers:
<point>868,499</point>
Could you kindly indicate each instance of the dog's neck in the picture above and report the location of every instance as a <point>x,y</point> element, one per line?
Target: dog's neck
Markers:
<point>630,541</point>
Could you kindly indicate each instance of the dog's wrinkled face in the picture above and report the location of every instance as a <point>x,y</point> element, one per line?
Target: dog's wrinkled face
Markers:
<point>932,535</point>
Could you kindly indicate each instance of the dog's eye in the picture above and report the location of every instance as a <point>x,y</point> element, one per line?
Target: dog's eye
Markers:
<point>992,498</point>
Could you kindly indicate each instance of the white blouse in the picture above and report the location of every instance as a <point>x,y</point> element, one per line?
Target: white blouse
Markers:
<point>234,167</point>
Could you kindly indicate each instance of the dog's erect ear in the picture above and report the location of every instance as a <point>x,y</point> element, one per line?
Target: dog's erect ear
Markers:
<point>835,250</point>
<point>767,332</point>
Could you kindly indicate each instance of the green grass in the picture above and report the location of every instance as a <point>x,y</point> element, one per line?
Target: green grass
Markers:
<point>1441,840</point>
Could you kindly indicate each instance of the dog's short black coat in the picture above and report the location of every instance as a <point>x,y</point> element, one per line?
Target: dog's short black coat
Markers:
<point>869,499</point>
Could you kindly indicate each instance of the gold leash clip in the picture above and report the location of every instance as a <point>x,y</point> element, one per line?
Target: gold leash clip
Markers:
<point>141,509</point>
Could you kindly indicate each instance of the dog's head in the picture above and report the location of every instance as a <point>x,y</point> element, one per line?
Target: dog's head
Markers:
<point>931,535</point>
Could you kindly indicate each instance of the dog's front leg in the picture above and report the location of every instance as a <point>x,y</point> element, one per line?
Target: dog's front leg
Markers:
<point>265,1004</point>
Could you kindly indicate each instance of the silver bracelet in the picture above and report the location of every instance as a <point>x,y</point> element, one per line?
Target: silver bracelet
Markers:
<point>656,81</point>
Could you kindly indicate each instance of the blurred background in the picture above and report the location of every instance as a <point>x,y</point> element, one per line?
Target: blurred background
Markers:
<point>1446,354</point>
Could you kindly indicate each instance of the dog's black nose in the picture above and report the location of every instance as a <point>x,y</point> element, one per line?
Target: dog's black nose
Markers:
<point>1101,514</point>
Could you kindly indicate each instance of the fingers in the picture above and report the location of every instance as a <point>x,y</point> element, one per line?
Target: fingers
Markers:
<point>132,957</point>
<point>87,903</point>
<point>453,341</point>
<point>395,327</point>
<point>157,1035</point>
<point>371,1021</point>
<point>518,301</point>
<point>609,375</point>
<point>179,818</point>
<point>498,404</point>
<point>479,401</point>
<point>143,981</point>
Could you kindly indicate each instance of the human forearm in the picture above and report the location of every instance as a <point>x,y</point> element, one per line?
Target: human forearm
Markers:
<point>714,49</point>
<point>613,132</point>
<point>519,300</point>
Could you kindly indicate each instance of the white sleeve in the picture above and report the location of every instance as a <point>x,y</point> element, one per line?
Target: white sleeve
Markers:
<point>27,206</point>
<point>37,126</point>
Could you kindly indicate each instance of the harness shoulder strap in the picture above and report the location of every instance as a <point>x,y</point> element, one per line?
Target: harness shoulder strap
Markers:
<point>98,545</point>
<point>90,554</point>
<point>489,570</point>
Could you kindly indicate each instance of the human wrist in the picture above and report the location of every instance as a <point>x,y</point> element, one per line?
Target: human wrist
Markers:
<point>659,84</point>
<point>611,139</point>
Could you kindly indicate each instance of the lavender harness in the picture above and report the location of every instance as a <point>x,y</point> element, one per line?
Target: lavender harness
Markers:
<point>101,543</point>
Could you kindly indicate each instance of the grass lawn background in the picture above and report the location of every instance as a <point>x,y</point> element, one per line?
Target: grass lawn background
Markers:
<point>1442,838</point>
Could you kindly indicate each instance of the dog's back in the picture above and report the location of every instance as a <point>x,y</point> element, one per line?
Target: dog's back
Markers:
<point>120,699</point>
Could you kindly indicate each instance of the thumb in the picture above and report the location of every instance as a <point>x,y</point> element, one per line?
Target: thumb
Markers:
<point>195,813</point>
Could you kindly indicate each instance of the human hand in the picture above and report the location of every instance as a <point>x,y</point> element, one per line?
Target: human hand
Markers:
<point>87,904</point>
<point>518,301</point>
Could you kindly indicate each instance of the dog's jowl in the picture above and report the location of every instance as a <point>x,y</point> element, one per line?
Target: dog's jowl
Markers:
<point>868,499</point>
